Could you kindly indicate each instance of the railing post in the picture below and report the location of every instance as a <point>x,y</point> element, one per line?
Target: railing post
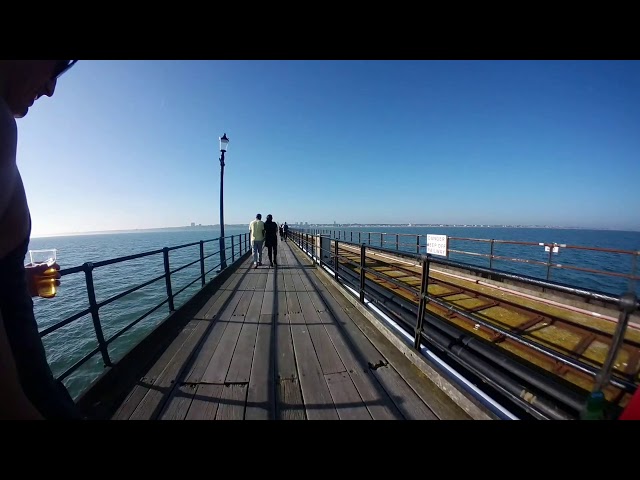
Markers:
<point>202,262</point>
<point>418,244</point>
<point>422,304</point>
<point>336,262</point>
<point>397,242</point>
<point>95,316</point>
<point>491,255</point>
<point>549,261</point>
<point>594,406</point>
<point>233,252</point>
<point>359,241</point>
<point>167,277</point>
<point>363,263</point>
<point>352,236</point>
<point>369,242</point>
<point>246,237</point>
<point>381,240</point>
<point>634,268</point>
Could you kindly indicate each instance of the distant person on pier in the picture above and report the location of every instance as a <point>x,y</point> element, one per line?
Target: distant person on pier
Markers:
<point>28,389</point>
<point>271,239</point>
<point>285,229</point>
<point>281,232</point>
<point>256,229</point>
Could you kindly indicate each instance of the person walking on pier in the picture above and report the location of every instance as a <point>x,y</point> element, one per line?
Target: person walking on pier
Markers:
<point>256,229</point>
<point>28,389</point>
<point>281,229</point>
<point>271,239</point>
<point>285,229</point>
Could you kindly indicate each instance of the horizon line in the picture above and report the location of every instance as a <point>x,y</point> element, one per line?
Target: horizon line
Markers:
<point>338,225</point>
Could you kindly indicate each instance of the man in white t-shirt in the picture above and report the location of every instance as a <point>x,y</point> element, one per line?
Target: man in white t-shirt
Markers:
<point>256,229</point>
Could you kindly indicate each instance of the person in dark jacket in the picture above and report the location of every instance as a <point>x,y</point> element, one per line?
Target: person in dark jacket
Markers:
<point>271,239</point>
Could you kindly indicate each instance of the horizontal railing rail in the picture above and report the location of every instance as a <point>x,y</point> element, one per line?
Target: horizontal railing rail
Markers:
<point>238,249</point>
<point>419,243</point>
<point>330,256</point>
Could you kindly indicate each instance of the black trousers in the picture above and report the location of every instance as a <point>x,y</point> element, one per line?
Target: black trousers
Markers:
<point>272,251</point>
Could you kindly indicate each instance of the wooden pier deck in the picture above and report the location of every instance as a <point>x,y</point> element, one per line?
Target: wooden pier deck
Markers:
<point>283,343</point>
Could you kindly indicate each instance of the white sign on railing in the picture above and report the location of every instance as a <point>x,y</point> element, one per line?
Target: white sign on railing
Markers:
<point>437,245</point>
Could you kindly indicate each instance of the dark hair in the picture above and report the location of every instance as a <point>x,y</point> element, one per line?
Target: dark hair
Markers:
<point>269,217</point>
<point>259,216</point>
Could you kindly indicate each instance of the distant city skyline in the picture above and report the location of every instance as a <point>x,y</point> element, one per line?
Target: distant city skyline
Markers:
<point>134,144</point>
<point>331,225</point>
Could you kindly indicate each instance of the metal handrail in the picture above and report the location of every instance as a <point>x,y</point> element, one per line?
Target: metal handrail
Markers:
<point>632,276</point>
<point>94,306</point>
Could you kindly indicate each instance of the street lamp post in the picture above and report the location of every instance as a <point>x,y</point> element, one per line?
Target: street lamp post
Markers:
<point>224,141</point>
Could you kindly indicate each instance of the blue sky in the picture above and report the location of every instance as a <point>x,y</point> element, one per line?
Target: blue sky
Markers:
<point>134,144</point>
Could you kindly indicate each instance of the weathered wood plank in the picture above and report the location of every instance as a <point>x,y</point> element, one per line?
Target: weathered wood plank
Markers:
<point>253,313</point>
<point>216,307</point>
<point>281,306</point>
<point>261,393</point>
<point>315,392</point>
<point>243,305</point>
<point>434,397</point>
<point>346,398</point>
<point>289,286</point>
<point>380,406</point>
<point>240,368</point>
<point>328,357</point>
<point>271,279</point>
<point>151,404</point>
<point>205,402</point>
<point>179,403</point>
<point>261,283</point>
<point>298,286</point>
<point>411,406</point>
<point>210,302</point>
<point>267,303</point>
<point>208,348</point>
<point>140,391</point>
<point>290,405</point>
<point>293,304</point>
<point>220,361</point>
<point>233,399</point>
<point>234,281</point>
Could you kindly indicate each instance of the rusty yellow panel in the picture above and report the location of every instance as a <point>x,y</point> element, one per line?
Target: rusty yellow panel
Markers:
<point>503,316</point>
<point>467,303</point>
<point>455,297</point>
<point>580,380</point>
<point>475,330</point>
<point>395,273</point>
<point>555,337</point>
<point>526,353</point>
<point>604,326</point>
<point>438,289</point>
<point>597,352</point>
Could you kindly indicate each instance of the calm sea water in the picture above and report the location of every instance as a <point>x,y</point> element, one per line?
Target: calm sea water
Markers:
<point>69,344</point>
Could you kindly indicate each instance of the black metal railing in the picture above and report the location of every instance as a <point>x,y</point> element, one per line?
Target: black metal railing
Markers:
<point>238,248</point>
<point>418,243</point>
<point>324,250</point>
